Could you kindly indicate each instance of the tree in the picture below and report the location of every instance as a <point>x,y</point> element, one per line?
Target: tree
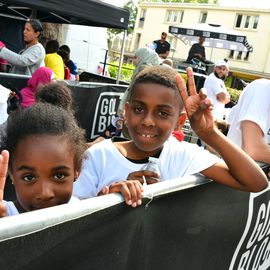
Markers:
<point>131,7</point>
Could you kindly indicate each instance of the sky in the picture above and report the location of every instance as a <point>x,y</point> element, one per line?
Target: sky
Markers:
<point>235,3</point>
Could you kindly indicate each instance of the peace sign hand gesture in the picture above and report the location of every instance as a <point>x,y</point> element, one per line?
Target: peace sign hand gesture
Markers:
<point>198,106</point>
<point>3,173</point>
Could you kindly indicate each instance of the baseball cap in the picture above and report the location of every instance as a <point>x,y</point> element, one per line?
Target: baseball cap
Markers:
<point>221,63</point>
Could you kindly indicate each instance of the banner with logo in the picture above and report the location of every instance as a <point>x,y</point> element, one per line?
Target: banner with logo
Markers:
<point>95,106</point>
<point>198,227</point>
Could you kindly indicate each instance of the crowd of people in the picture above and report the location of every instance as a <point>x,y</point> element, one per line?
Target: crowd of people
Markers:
<point>147,127</point>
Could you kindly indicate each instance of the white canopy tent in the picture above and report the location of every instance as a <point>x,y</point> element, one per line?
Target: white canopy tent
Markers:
<point>216,36</point>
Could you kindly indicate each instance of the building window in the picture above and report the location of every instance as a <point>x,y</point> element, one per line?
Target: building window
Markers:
<point>239,56</point>
<point>255,22</point>
<point>174,16</point>
<point>231,54</point>
<point>142,18</point>
<point>247,21</point>
<point>247,55</point>
<point>203,17</point>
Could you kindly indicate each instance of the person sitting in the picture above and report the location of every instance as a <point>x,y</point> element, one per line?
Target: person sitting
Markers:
<point>32,57</point>
<point>115,128</point>
<point>74,72</point>
<point>53,60</point>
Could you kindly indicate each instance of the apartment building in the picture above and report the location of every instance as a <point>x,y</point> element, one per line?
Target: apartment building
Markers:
<point>153,18</point>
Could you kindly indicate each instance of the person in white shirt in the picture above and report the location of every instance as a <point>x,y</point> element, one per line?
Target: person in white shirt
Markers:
<point>216,89</point>
<point>250,120</point>
<point>152,114</point>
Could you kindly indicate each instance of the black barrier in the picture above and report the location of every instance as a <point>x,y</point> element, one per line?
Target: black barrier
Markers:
<point>205,227</point>
<point>92,77</point>
<point>13,80</point>
<point>95,104</point>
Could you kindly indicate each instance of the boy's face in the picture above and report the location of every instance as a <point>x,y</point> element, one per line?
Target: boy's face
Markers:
<point>152,115</point>
<point>43,172</point>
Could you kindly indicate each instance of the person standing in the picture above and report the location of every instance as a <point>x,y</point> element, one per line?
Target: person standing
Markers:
<point>74,72</point>
<point>197,51</point>
<point>53,60</point>
<point>216,89</point>
<point>249,120</point>
<point>32,56</point>
<point>162,46</point>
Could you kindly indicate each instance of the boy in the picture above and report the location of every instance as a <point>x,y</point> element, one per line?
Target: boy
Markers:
<point>151,116</point>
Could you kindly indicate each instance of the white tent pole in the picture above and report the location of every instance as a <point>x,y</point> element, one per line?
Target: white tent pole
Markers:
<point>121,56</point>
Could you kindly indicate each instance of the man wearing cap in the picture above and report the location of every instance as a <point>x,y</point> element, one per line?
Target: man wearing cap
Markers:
<point>162,46</point>
<point>249,120</point>
<point>32,56</point>
<point>216,89</point>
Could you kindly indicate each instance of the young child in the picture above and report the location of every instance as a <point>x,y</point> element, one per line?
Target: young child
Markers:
<point>151,115</point>
<point>46,149</point>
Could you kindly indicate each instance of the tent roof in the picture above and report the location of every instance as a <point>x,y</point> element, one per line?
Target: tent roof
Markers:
<point>216,36</point>
<point>82,12</point>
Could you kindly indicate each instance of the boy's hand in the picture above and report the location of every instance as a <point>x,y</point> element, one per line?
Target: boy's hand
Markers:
<point>131,190</point>
<point>3,173</point>
<point>198,106</point>
<point>149,176</point>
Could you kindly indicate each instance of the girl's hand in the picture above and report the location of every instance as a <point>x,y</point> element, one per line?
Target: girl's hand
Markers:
<point>198,106</point>
<point>3,173</point>
<point>131,190</point>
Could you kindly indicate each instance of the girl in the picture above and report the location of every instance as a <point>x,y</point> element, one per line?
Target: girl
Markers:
<point>46,150</point>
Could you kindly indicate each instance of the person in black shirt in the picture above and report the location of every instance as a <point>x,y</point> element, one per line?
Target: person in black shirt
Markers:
<point>197,51</point>
<point>162,46</point>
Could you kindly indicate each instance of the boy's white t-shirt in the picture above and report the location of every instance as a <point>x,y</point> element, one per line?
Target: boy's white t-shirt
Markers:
<point>253,105</point>
<point>104,165</point>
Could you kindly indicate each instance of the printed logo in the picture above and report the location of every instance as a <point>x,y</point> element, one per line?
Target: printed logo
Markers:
<point>106,107</point>
<point>253,250</point>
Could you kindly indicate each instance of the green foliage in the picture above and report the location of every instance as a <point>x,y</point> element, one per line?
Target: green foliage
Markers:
<point>126,71</point>
<point>234,93</point>
<point>132,9</point>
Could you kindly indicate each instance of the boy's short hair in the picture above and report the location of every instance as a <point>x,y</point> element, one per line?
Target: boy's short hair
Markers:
<point>65,48</point>
<point>52,46</point>
<point>159,75</point>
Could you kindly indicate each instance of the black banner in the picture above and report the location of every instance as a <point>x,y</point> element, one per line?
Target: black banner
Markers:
<point>205,227</point>
<point>95,105</point>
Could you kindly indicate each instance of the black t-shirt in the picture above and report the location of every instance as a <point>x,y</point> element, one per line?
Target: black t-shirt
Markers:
<point>196,48</point>
<point>162,47</point>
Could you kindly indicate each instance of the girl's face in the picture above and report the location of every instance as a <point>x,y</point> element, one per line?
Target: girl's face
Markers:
<point>43,172</point>
<point>152,115</point>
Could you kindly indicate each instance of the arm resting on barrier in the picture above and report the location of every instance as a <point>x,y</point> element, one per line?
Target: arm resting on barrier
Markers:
<point>240,171</point>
